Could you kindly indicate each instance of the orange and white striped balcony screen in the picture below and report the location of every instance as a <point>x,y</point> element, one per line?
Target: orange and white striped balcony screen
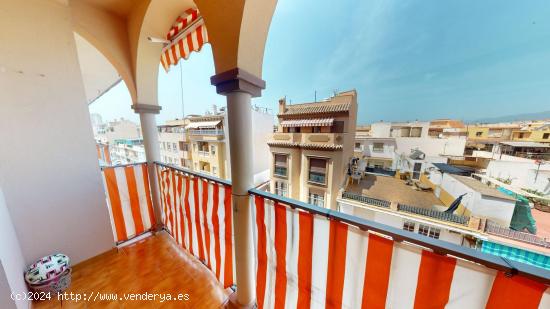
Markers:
<point>309,261</point>
<point>103,153</point>
<point>128,200</point>
<point>197,213</point>
<point>188,34</point>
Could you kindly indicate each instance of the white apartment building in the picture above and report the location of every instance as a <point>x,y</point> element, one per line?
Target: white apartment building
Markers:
<point>120,129</point>
<point>127,151</point>
<point>406,146</point>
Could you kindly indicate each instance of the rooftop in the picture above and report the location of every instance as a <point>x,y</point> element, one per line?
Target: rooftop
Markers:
<point>482,188</point>
<point>341,102</point>
<point>393,190</point>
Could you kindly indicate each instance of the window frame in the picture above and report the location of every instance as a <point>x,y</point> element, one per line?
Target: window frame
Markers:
<point>309,172</point>
<point>409,226</point>
<point>277,169</point>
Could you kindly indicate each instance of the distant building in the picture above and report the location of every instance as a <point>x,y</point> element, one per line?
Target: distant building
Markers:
<point>447,128</point>
<point>174,143</point>
<point>408,146</point>
<point>118,130</point>
<point>486,136</point>
<point>201,143</point>
<point>97,122</point>
<point>125,151</point>
<point>312,148</point>
<point>538,131</point>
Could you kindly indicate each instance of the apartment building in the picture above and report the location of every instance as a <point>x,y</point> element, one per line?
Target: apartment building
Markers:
<point>125,151</point>
<point>119,129</point>
<point>538,131</point>
<point>208,137</point>
<point>486,136</point>
<point>447,128</point>
<point>201,143</point>
<point>312,148</point>
<point>407,146</point>
<point>174,143</point>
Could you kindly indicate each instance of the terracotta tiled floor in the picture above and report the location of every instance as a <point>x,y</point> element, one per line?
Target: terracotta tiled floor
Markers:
<point>154,265</point>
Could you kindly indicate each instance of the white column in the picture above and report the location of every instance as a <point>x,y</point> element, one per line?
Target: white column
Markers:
<point>240,140</point>
<point>152,150</point>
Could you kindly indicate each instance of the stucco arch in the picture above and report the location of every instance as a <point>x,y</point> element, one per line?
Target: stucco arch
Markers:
<point>108,34</point>
<point>238,32</point>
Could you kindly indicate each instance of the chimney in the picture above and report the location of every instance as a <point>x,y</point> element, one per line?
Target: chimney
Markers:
<point>282,105</point>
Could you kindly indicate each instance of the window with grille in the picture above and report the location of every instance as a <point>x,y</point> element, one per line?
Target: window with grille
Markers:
<point>280,188</point>
<point>317,199</point>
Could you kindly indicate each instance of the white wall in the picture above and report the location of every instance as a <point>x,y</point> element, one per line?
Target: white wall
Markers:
<point>395,220</point>
<point>498,156</point>
<point>48,161</point>
<point>388,152</point>
<point>498,210</point>
<point>431,146</point>
<point>12,263</point>
<point>522,174</point>
<point>380,129</point>
<point>262,130</point>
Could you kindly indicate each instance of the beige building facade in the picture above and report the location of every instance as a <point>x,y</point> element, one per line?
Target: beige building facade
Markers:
<point>174,143</point>
<point>312,147</point>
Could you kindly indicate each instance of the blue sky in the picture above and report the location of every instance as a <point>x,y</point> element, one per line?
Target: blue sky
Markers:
<point>408,60</point>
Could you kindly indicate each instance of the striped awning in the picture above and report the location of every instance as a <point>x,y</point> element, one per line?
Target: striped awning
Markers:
<point>188,34</point>
<point>319,122</point>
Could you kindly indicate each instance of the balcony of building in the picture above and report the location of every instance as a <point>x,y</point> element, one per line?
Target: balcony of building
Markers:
<point>352,261</point>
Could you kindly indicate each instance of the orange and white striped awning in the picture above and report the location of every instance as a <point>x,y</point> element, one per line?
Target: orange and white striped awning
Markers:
<point>188,34</point>
<point>320,122</point>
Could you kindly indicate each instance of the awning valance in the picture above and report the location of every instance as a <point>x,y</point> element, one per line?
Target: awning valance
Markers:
<point>186,35</point>
<point>319,122</point>
<point>203,125</point>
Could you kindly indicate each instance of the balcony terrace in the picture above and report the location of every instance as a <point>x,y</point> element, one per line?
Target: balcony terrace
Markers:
<point>196,213</point>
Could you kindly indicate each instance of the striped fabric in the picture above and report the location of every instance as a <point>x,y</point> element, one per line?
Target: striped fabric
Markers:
<point>308,261</point>
<point>188,34</point>
<point>103,153</point>
<point>197,213</point>
<point>128,200</point>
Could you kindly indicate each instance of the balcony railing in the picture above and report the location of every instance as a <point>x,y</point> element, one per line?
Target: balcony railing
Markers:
<point>342,261</point>
<point>205,132</point>
<point>495,229</point>
<point>366,199</point>
<point>308,255</point>
<point>128,200</point>
<point>436,214</point>
<point>204,153</point>
<point>380,170</point>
